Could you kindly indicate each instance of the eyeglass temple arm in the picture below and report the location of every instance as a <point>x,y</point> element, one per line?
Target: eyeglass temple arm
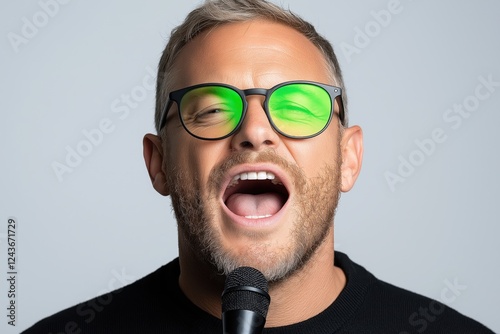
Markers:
<point>163,118</point>
<point>341,110</point>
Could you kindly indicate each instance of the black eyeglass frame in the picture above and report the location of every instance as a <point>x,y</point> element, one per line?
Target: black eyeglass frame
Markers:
<point>177,95</point>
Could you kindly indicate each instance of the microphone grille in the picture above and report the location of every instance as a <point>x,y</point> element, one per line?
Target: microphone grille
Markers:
<point>246,289</point>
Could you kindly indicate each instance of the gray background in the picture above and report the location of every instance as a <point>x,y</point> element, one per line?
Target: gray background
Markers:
<point>103,225</point>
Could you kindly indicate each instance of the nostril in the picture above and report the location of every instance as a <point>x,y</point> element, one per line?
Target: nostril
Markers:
<point>246,144</point>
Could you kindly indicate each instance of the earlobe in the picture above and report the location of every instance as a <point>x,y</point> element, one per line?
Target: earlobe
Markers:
<point>153,156</point>
<point>352,156</point>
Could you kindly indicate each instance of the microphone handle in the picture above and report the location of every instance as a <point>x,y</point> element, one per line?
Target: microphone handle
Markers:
<point>242,322</point>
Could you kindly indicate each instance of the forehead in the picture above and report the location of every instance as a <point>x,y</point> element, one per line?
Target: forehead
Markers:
<point>257,53</point>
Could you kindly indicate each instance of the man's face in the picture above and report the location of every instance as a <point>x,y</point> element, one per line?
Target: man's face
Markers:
<point>272,225</point>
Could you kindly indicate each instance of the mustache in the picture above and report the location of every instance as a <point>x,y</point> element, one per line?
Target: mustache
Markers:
<point>219,171</point>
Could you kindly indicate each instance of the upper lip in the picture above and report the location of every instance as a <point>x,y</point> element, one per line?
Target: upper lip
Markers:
<point>270,170</point>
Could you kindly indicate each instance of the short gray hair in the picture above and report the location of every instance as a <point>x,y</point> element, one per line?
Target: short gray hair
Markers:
<point>213,13</point>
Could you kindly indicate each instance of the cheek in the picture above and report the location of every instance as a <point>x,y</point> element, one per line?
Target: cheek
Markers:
<point>313,154</point>
<point>194,157</point>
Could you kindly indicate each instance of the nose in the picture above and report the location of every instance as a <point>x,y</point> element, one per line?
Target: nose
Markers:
<point>255,133</point>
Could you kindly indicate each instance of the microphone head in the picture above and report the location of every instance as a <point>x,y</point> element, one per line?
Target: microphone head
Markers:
<point>246,289</point>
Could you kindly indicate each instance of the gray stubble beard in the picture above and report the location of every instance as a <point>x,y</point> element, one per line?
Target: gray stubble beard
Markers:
<point>316,202</point>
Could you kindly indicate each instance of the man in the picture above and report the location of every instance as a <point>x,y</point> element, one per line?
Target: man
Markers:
<point>254,148</point>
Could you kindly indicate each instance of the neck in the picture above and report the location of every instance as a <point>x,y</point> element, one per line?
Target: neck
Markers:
<point>205,292</point>
<point>308,292</point>
<point>300,297</point>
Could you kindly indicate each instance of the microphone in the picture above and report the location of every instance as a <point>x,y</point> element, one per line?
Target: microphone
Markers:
<point>245,301</point>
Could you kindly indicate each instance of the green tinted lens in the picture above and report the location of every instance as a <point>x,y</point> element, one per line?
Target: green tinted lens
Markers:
<point>300,109</point>
<point>211,111</point>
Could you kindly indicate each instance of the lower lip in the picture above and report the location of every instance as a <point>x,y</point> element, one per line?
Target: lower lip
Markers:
<point>255,223</point>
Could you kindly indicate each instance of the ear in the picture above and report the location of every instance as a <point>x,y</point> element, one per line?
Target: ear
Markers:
<point>153,156</point>
<point>351,147</point>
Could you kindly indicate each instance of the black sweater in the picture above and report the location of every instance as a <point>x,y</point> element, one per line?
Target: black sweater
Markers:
<point>155,304</point>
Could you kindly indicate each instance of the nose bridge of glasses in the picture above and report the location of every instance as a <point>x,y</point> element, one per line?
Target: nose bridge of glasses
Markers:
<point>255,91</point>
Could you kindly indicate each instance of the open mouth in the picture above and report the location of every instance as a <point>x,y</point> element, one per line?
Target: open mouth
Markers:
<point>255,195</point>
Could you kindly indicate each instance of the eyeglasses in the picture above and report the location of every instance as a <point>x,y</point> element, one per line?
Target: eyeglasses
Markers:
<point>295,109</point>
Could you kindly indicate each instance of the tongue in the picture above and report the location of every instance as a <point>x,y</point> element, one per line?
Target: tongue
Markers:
<point>260,205</point>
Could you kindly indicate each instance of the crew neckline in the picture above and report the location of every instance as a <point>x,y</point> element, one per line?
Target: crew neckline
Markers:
<point>332,319</point>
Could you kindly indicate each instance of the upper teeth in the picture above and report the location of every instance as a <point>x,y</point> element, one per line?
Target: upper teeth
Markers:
<point>254,176</point>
